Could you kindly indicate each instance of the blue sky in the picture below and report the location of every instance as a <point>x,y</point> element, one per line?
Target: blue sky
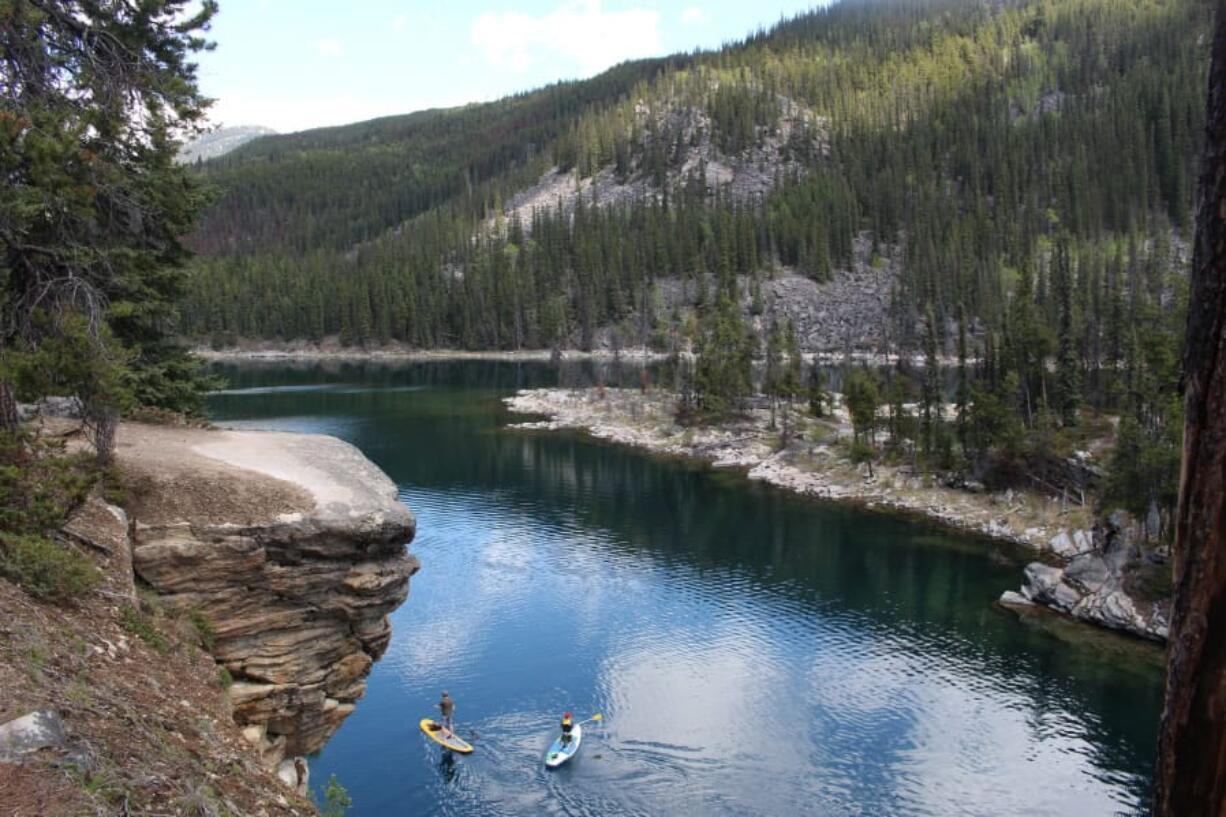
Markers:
<point>295,64</point>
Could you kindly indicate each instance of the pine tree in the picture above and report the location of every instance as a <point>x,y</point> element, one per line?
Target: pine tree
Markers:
<point>931,399</point>
<point>773,381</point>
<point>819,398</point>
<point>93,98</point>
<point>1068,363</point>
<point>860,392</point>
<point>963,398</point>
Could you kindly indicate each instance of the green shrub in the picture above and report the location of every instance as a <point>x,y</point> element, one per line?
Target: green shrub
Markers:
<point>45,568</point>
<point>204,629</point>
<point>137,623</point>
<point>336,799</point>
<point>40,484</point>
<point>225,678</point>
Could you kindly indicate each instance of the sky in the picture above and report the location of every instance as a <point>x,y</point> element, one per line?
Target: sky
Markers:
<point>296,64</point>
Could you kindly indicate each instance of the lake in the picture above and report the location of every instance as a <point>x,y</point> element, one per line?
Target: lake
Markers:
<point>752,652</point>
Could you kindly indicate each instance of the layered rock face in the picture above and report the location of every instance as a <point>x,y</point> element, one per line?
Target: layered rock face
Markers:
<point>292,547</point>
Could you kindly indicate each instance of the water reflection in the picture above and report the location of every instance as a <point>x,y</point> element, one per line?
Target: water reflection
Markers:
<point>753,653</point>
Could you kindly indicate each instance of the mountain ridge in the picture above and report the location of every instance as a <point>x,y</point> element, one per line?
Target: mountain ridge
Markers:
<point>219,142</point>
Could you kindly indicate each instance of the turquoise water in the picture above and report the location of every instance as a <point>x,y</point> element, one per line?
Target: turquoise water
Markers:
<point>753,653</point>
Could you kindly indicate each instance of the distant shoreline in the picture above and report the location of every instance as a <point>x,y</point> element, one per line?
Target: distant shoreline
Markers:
<point>403,353</point>
<point>645,421</point>
<point>406,354</point>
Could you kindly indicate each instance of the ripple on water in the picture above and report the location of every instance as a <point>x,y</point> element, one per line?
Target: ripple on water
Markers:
<point>752,655</point>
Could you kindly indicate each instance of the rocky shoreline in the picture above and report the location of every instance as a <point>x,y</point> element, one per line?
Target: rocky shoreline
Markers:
<point>395,352</point>
<point>256,351</point>
<point>1082,569</point>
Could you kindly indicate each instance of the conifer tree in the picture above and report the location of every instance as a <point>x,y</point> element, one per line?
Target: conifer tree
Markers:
<point>93,100</point>
<point>931,399</point>
<point>1068,363</point>
<point>963,398</point>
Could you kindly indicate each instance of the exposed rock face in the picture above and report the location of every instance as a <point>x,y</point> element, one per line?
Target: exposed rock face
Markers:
<point>105,527</point>
<point>851,312</point>
<point>293,548</point>
<point>220,142</point>
<point>745,176</point>
<point>1092,586</point>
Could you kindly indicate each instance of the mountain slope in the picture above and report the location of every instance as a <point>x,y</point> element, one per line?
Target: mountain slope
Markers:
<point>960,139</point>
<point>333,187</point>
<point>220,142</point>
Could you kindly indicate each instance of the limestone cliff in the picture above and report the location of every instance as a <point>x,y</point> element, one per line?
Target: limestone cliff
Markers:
<point>291,546</point>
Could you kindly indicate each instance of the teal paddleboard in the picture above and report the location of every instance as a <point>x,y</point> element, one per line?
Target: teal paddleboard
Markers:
<point>560,752</point>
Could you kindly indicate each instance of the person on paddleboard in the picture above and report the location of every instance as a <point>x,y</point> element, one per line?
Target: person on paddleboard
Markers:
<point>568,726</point>
<point>446,706</point>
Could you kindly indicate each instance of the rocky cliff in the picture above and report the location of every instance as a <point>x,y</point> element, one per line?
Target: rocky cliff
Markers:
<point>291,547</point>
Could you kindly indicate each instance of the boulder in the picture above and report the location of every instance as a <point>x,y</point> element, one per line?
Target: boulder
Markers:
<point>1091,588</point>
<point>1062,544</point>
<point>1089,572</point>
<point>1011,598</point>
<point>1041,581</point>
<point>1117,610</point>
<point>21,737</point>
<point>1083,541</point>
<point>99,525</point>
<point>1064,596</point>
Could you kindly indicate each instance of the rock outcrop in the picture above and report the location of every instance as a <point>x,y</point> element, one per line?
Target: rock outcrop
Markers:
<point>1093,585</point>
<point>291,547</point>
<point>109,704</point>
<point>105,528</point>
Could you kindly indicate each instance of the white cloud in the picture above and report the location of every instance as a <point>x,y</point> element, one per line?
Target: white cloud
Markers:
<point>330,47</point>
<point>400,22</point>
<point>693,15</point>
<point>579,31</point>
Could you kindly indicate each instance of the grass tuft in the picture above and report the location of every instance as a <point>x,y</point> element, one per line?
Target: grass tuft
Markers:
<point>204,629</point>
<point>139,624</point>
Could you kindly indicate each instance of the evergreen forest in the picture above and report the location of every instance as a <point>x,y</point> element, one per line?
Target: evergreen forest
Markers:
<point>1027,166</point>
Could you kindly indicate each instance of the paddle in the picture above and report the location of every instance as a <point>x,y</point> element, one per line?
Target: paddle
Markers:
<point>595,717</point>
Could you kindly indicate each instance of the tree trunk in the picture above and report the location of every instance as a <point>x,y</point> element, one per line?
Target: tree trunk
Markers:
<point>8,408</point>
<point>1191,770</point>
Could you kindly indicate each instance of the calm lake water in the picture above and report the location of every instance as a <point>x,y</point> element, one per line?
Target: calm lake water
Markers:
<point>753,653</point>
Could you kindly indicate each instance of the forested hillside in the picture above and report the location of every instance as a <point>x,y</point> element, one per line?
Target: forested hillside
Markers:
<point>332,187</point>
<point>1022,169</point>
<point>964,136</point>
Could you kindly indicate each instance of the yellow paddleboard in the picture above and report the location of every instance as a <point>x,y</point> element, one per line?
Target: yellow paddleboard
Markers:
<point>445,737</point>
